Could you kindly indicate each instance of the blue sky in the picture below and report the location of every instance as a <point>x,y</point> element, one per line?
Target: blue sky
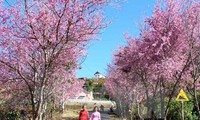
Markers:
<point>125,19</point>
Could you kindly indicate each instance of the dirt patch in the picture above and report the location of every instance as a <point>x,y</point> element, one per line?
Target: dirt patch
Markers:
<point>68,114</point>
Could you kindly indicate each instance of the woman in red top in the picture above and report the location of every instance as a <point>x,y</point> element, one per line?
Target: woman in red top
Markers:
<point>83,115</point>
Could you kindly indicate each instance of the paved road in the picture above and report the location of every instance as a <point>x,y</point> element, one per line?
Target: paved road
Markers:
<point>104,115</point>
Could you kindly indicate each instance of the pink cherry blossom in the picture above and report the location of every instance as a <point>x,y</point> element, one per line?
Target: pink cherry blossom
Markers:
<point>41,42</point>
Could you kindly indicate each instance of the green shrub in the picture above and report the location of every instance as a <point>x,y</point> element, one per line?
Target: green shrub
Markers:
<point>2,114</point>
<point>175,111</point>
<point>12,115</point>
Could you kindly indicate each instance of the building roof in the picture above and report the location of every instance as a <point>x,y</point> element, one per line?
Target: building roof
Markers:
<point>97,73</point>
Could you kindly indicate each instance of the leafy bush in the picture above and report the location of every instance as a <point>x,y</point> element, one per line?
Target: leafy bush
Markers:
<point>175,111</point>
<point>9,115</point>
<point>2,114</point>
<point>12,115</point>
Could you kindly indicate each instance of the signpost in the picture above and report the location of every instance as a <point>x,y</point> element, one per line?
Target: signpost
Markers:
<point>182,97</point>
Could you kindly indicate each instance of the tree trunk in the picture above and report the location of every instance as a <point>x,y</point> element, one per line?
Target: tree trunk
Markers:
<point>40,110</point>
<point>170,97</point>
<point>178,78</point>
<point>138,110</point>
<point>148,103</point>
<point>196,101</point>
<point>162,98</point>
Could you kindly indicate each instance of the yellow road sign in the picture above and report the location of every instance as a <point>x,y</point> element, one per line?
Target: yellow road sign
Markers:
<point>182,96</point>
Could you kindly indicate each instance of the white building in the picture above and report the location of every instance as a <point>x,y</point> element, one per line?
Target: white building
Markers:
<point>98,75</point>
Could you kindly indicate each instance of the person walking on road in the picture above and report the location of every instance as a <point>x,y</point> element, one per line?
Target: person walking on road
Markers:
<point>95,115</point>
<point>83,115</point>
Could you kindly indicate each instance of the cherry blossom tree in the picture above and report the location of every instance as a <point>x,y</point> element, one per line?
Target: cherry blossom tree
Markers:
<point>192,25</point>
<point>165,54</point>
<point>122,92</point>
<point>40,45</point>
